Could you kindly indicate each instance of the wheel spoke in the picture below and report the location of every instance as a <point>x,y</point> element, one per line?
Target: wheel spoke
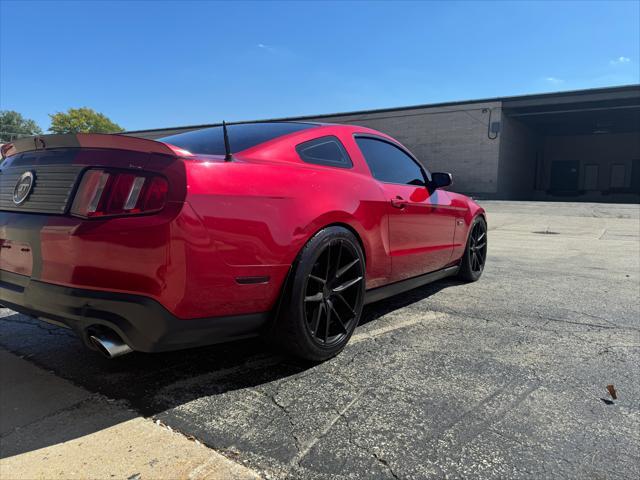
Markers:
<point>344,269</point>
<point>326,328</point>
<point>316,320</point>
<point>337,317</point>
<point>481,236</point>
<point>318,279</point>
<point>314,298</point>
<point>346,304</point>
<point>480,246</point>
<point>337,263</point>
<point>347,284</point>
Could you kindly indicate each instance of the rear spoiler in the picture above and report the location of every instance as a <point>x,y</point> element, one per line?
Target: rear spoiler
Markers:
<point>89,140</point>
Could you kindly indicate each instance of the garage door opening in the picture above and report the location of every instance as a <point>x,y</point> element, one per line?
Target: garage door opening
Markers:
<point>578,148</point>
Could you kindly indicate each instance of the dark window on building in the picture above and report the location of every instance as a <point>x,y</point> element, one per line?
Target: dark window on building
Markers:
<point>210,141</point>
<point>389,163</point>
<point>324,151</point>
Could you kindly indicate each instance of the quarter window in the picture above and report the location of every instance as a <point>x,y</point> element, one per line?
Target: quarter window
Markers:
<point>389,163</point>
<point>324,151</point>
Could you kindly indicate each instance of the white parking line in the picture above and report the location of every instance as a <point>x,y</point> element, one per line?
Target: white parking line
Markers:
<point>428,316</point>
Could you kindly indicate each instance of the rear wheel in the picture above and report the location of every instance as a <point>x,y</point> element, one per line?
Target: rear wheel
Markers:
<point>475,254</point>
<point>323,304</point>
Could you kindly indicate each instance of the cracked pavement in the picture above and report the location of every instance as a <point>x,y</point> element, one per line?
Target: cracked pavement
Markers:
<point>505,377</point>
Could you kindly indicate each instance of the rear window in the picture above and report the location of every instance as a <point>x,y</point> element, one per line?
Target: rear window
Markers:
<point>210,141</point>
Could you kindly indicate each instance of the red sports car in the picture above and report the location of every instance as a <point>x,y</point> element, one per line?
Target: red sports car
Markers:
<point>280,228</point>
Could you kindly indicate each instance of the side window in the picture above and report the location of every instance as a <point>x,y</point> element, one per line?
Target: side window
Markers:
<point>388,163</point>
<point>324,151</point>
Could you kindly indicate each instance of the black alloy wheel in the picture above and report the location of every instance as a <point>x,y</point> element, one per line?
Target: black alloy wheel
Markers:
<point>478,247</point>
<point>323,300</point>
<point>333,292</point>
<point>475,254</point>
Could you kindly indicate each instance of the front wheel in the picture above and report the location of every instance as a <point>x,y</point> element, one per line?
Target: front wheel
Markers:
<point>475,254</point>
<point>323,302</point>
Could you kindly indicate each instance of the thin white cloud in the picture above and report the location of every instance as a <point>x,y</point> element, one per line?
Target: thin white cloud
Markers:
<point>266,47</point>
<point>554,80</point>
<point>280,51</point>
<point>620,60</point>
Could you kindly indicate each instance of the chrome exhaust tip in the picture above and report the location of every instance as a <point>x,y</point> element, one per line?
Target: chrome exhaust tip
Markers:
<point>110,344</point>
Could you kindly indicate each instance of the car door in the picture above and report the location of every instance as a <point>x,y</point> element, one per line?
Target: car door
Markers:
<point>421,222</point>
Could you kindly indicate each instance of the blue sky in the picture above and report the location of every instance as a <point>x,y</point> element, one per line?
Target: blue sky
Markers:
<point>166,63</point>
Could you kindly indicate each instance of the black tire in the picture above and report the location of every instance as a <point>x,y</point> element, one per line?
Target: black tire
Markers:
<point>322,303</point>
<point>475,253</point>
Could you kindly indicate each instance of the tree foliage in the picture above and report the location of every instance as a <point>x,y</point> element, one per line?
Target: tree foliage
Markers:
<point>13,125</point>
<point>82,120</point>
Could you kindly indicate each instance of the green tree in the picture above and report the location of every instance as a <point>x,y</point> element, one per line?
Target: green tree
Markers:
<point>82,120</point>
<point>13,125</point>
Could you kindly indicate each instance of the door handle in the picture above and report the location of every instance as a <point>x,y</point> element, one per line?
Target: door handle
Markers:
<point>398,202</point>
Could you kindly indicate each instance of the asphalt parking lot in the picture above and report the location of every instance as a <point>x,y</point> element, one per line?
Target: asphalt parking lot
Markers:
<point>505,377</point>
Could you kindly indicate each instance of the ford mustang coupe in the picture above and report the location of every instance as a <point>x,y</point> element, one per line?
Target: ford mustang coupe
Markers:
<point>279,228</point>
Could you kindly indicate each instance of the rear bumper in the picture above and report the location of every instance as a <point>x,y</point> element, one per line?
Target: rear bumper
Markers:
<point>169,257</point>
<point>143,323</point>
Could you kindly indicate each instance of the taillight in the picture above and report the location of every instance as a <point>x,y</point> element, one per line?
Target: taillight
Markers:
<point>105,193</point>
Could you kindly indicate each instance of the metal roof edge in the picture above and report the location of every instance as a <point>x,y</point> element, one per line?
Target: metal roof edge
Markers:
<point>530,96</point>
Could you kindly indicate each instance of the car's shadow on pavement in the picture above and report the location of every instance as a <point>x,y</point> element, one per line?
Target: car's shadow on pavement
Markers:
<point>154,383</point>
<point>376,310</point>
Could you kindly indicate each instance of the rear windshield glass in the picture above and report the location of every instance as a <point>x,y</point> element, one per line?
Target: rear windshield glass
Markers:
<point>210,141</point>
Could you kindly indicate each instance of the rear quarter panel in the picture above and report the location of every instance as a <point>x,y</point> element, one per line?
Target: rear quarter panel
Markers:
<point>260,214</point>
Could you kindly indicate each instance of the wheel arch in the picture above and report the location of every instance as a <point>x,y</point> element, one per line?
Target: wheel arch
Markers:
<point>479,214</point>
<point>342,224</point>
<point>340,219</point>
<point>355,234</point>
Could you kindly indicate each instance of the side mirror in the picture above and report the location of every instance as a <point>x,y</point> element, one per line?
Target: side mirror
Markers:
<point>440,180</point>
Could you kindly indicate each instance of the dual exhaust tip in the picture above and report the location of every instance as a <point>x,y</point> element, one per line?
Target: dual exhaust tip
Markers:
<point>109,344</point>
